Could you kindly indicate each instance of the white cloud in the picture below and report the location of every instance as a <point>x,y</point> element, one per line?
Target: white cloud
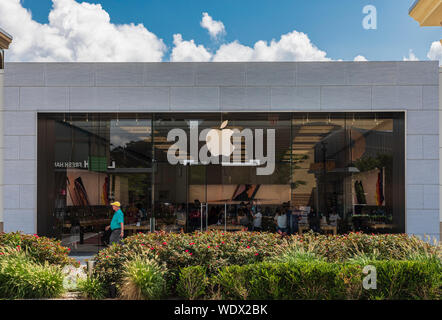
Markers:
<point>411,56</point>
<point>233,51</point>
<point>360,58</point>
<point>215,28</point>
<point>76,32</point>
<point>435,52</point>
<point>292,46</point>
<point>188,50</point>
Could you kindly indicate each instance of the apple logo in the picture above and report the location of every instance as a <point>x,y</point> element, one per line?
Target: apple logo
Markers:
<point>218,141</point>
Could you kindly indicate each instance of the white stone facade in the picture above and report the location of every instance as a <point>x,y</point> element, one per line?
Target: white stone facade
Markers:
<point>412,87</point>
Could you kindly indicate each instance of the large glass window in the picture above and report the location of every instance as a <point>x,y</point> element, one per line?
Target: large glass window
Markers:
<point>336,172</point>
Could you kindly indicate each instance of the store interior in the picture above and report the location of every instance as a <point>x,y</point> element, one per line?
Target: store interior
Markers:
<point>339,172</point>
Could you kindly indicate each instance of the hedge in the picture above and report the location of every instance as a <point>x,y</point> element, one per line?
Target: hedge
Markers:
<point>319,280</point>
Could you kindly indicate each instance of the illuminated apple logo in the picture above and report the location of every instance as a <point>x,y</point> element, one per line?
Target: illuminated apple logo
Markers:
<point>218,141</point>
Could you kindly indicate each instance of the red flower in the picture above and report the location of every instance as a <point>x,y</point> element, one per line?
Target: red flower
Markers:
<point>256,254</point>
<point>164,243</point>
<point>208,246</point>
<point>190,253</point>
<point>248,247</point>
<point>186,250</point>
<point>151,248</point>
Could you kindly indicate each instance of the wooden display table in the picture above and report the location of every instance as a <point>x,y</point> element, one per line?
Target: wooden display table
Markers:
<point>134,229</point>
<point>229,227</point>
<point>88,223</point>
<point>381,226</point>
<point>327,227</point>
<point>302,228</point>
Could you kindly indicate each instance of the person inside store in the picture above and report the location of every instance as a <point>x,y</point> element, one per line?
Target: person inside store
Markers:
<point>257,219</point>
<point>314,220</point>
<point>281,221</point>
<point>249,214</point>
<point>117,224</point>
<point>288,212</point>
<point>294,227</point>
<point>243,218</point>
<point>195,215</point>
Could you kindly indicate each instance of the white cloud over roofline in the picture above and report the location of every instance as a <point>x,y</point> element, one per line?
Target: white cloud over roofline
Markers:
<point>76,32</point>
<point>435,52</point>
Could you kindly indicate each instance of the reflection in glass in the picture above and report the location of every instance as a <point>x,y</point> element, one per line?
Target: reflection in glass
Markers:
<point>332,172</point>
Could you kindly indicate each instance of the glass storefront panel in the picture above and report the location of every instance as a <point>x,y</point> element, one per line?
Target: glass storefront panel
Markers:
<point>90,160</point>
<point>337,172</point>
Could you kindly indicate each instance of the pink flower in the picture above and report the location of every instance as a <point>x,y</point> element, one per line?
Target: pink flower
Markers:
<point>151,248</point>
<point>186,250</point>
<point>190,253</point>
<point>256,254</point>
<point>208,246</point>
<point>164,243</point>
<point>248,247</point>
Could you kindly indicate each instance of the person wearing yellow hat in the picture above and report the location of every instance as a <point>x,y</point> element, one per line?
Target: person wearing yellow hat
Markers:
<point>117,224</point>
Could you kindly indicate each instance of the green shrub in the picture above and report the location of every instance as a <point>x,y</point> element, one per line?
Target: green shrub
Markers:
<point>39,249</point>
<point>91,288</point>
<point>296,280</point>
<point>406,280</point>
<point>324,280</point>
<point>193,282</point>
<point>21,277</point>
<point>143,279</point>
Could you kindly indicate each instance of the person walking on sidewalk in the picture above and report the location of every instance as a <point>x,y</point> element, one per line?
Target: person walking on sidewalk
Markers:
<point>117,224</point>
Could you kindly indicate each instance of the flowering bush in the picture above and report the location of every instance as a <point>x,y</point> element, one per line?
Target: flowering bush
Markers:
<point>214,250</point>
<point>211,249</point>
<point>39,249</point>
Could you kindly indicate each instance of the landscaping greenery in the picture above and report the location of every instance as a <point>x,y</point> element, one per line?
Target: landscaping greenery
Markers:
<point>39,249</point>
<point>31,266</point>
<point>91,288</point>
<point>143,279</point>
<point>250,265</point>
<point>219,265</point>
<point>22,277</point>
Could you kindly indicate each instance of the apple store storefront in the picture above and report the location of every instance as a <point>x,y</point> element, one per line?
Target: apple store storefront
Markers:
<point>178,172</point>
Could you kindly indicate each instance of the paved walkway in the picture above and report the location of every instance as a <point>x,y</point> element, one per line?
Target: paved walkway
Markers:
<point>82,258</point>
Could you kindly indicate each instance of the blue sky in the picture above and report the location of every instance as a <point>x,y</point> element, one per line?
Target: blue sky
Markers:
<point>332,26</point>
